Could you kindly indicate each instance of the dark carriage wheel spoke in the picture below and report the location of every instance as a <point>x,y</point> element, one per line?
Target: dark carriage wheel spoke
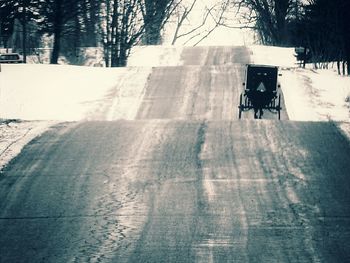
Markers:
<point>240,107</point>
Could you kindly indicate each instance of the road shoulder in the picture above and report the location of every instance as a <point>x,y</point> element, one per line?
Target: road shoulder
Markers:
<point>15,134</point>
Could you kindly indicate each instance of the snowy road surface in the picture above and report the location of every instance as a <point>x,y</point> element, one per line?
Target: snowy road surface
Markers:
<point>184,182</point>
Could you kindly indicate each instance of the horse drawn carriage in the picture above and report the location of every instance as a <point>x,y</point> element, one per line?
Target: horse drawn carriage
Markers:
<point>260,91</point>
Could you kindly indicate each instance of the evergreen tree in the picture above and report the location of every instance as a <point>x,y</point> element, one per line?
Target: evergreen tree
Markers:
<point>54,16</point>
<point>7,17</point>
<point>24,11</point>
<point>325,30</point>
<point>272,19</point>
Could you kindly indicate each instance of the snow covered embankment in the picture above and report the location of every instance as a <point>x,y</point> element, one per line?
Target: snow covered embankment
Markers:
<point>15,134</point>
<point>309,95</point>
<point>48,94</point>
<point>66,93</point>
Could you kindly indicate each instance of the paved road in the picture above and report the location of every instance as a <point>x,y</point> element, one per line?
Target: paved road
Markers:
<point>207,87</point>
<point>185,182</point>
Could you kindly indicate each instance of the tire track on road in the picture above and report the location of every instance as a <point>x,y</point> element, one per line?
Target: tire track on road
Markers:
<point>124,199</point>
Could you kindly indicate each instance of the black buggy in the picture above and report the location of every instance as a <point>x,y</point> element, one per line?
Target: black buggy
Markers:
<point>261,91</point>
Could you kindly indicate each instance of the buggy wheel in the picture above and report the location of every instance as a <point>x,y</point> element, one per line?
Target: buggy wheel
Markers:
<point>279,107</point>
<point>240,107</point>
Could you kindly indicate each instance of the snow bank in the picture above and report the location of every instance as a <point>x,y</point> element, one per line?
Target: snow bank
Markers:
<point>53,93</point>
<point>276,56</point>
<point>67,93</point>
<point>309,95</point>
<point>316,95</point>
<point>320,95</point>
<point>15,134</point>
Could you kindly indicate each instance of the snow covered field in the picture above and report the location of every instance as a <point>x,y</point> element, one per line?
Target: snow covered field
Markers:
<point>68,93</point>
<point>34,97</point>
<point>47,94</point>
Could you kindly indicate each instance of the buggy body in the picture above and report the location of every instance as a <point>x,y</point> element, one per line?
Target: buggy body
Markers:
<point>260,90</point>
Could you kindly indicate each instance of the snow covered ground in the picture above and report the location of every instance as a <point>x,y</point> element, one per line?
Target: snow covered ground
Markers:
<point>15,134</point>
<point>310,95</point>
<point>33,97</point>
<point>47,94</point>
<point>68,93</point>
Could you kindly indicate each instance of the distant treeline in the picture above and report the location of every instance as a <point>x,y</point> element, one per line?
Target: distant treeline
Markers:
<point>324,27</point>
<point>116,25</point>
<point>321,26</point>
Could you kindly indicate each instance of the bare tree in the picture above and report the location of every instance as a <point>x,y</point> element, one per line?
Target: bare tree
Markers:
<point>325,29</point>
<point>156,14</point>
<point>212,18</point>
<point>270,18</point>
<point>56,19</point>
<point>182,13</point>
<point>122,28</point>
<point>217,13</point>
<point>25,11</point>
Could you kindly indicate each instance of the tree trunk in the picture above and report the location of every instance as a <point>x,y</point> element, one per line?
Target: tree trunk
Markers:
<point>77,40</point>
<point>93,23</point>
<point>24,36</point>
<point>153,33</point>
<point>281,8</point>
<point>107,54</point>
<point>56,48</point>
<point>123,57</point>
<point>57,32</point>
<point>24,39</point>
<point>114,56</point>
